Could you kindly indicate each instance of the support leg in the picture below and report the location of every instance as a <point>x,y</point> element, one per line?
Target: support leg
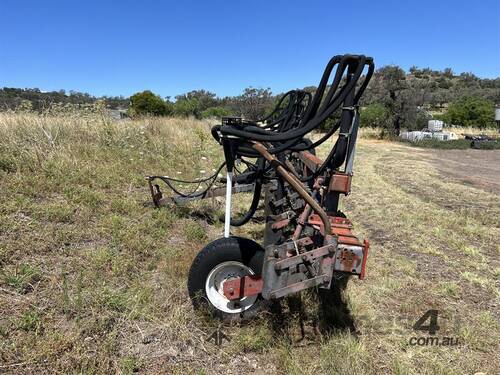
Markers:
<point>227,217</point>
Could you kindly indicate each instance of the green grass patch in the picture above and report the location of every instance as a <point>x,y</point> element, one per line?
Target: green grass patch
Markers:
<point>22,278</point>
<point>30,321</point>
<point>194,231</point>
<point>254,338</point>
<point>486,145</point>
<point>456,144</point>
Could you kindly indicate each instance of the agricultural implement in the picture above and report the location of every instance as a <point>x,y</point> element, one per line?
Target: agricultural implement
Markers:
<point>308,242</point>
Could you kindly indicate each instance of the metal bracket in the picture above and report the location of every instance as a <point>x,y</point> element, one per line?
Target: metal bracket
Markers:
<point>309,256</point>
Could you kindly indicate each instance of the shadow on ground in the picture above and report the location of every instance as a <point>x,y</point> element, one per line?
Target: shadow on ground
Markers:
<point>317,313</point>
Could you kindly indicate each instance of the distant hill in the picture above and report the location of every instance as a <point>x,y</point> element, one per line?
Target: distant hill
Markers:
<point>434,89</point>
<point>423,88</point>
<point>11,98</point>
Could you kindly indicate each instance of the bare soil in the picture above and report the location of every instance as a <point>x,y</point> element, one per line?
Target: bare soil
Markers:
<point>479,168</point>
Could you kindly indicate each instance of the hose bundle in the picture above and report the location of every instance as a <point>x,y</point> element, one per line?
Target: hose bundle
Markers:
<point>318,110</point>
<point>296,114</point>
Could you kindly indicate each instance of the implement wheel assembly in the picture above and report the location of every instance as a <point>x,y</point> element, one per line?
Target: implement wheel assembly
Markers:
<point>220,261</point>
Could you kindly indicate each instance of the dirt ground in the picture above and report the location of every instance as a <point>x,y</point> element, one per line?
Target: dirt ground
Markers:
<point>480,168</point>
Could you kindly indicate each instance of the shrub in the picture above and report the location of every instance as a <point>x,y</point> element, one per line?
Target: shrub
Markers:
<point>486,145</point>
<point>148,103</point>
<point>471,111</point>
<point>187,107</point>
<point>216,112</point>
<point>374,115</point>
<point>456,144</point>
<point>253,103</point>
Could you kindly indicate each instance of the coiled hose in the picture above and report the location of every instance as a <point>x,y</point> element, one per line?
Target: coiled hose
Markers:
<point>296,114</point>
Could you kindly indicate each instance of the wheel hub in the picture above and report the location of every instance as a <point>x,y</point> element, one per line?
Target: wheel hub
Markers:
<point>214,287</point>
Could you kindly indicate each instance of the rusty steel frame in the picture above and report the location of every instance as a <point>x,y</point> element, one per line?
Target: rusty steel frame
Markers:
<point>297,186</point>
<point>333,255</point>
<point>341,251</point>
<point>160,201</point>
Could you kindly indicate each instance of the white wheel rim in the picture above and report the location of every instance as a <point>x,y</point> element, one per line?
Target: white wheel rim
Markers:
<point>215,283</point>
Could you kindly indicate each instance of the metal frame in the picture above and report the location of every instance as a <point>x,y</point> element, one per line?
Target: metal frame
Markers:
<point>307,240</point>
<point>311,260</point>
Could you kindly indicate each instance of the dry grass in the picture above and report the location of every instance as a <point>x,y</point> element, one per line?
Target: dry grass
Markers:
<point>93,281</point>
<point>492,132</point>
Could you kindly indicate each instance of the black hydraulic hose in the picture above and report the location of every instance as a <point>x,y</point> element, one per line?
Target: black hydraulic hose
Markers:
<point>195,181</point>
<point>193,194</point>
<point>290,143</point>
<point>253,206</point>
<point>316,100</point>
<point>338,153</point>
<point>340,98</point>
<point>288,124</point>
<point>275,124</point>
<point>251,132</point>
<point>333,88</point>
<point>260,170</point>
<point>285,117</point>
<point>369,74</point>
<point>278,105</point>
<point>281,115</point>
<point>337,125</point>
<point>320,141</point>
<point>296,112</point>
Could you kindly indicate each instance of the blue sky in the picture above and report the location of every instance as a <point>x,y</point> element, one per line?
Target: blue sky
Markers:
<point>171,47</point>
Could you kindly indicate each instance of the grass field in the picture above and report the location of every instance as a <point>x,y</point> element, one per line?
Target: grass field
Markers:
<point>93,280</point>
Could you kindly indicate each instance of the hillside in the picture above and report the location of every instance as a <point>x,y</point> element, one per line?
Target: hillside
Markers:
<point>424,87</point>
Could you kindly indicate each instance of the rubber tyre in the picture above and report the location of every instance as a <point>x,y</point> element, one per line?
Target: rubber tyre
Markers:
<point>219,251</point>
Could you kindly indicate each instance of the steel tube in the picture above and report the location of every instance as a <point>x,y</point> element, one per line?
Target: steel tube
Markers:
<point>227,217</point>
<point>296,184</point>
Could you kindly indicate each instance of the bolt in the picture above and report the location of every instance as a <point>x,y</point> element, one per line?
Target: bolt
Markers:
<point>231,291</point>
<point>304,257</point>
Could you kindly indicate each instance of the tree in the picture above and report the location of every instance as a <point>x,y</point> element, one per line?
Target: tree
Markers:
<point>253,103</point>
<point>206,99</point>
<point>187,107</point>
<point>393,81</point>
<point>471,111</point>
<point>374,115</point>
<point>448,73</point>
<point>215,112</point>
<point>148,103</point>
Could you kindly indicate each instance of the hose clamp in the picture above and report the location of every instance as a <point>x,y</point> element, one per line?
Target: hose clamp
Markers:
<point>350,108</point>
